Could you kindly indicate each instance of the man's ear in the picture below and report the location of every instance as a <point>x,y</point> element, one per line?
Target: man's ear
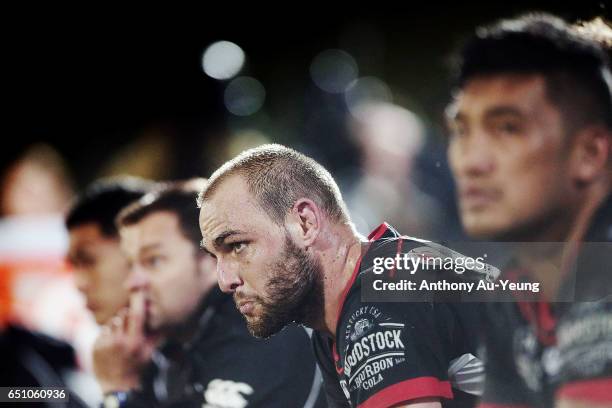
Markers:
<point>207,268</point>
<point>591,154</point>
<point>304,222</point>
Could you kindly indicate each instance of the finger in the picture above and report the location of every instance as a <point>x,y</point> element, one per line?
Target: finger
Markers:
<point>123,314</point>
<point>136,317</point>
<point>116,331</point>
<point>103,337</point>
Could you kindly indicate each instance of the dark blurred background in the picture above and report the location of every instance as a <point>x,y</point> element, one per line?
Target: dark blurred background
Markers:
<point>100,84</point>
<point>170,93</point>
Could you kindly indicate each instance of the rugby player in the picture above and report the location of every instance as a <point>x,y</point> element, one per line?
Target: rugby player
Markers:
<point>531,153</point>
<point>285,247</point>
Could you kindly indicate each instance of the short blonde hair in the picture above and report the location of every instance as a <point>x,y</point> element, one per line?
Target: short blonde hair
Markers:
<point>278,176</point>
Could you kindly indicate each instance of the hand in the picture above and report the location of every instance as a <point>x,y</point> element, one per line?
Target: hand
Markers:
<point>122,349</point>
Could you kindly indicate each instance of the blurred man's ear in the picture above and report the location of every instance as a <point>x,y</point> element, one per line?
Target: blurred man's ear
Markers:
<point>304,222</point>
<point>207,268</point>
<point>205,260</point>
<point>591,154</point>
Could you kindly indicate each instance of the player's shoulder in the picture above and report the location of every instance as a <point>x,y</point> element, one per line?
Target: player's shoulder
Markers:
<point>386,242</point>
<point>385,238</point>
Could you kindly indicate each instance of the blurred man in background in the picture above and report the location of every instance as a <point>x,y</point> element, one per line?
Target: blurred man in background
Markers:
<point>35,191</point>
<point>100,268</point>
<point>531,153</point>
<point>181,342</point>
<point>41,321</point>
<point>36,183</point>
<point>390,138</point>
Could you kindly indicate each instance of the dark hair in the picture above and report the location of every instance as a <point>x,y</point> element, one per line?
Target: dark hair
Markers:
<point>576,68</point>
<point>179,198</point>
<point>103,200</point>
<point>277,176</point>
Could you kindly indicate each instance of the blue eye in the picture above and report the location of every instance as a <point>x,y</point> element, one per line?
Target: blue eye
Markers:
<point>237,247</point>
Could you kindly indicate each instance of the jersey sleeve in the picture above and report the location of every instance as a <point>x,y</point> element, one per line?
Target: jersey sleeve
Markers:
<point>395,353</point>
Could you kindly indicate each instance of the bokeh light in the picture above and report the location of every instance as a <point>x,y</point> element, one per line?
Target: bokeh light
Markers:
<point>223,60</point>
<point>333,70</point>
<point>244,96</point>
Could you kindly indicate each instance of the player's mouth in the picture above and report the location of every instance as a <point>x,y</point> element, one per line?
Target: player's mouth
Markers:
<point>246,307</point>
<point>476,198</point>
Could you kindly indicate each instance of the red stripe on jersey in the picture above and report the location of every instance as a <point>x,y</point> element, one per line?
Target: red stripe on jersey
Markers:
<point>593,391</point>
<point>420,387</point>
<point>378,232</point>
<point>339,370</point>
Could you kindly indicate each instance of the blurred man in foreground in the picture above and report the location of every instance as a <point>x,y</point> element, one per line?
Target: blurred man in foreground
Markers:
<point>531,153</point>
<point>100,268</point>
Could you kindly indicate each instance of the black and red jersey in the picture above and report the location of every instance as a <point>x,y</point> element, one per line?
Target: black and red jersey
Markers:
<point>386,353</point>
<point>537,352</point>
